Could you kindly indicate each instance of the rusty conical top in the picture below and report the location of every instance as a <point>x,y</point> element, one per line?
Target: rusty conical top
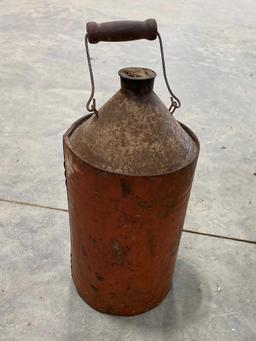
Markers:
<point>134,134</point>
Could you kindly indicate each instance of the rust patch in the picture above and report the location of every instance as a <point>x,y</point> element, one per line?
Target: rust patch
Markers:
<point>125,188</point>
<point>84,252</point>
<point>145,204</point>
<point>112,294</point>
<point>99,277</point>
<point>127,220</point>
<point>135,136</point>
<point>119,253</point>
<point>151,243</point>
<point>93,240</point>
<point>94,288</point>
<point>168,210</point>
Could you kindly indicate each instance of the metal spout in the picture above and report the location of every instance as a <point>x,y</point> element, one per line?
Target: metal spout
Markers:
<point>137,80</point>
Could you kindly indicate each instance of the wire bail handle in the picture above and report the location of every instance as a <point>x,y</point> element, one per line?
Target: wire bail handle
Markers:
<point>124,31</point>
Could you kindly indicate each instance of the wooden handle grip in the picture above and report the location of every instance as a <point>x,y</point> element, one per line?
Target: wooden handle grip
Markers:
<point>121,30</point>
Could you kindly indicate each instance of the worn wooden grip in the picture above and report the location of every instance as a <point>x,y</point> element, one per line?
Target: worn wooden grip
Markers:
<point>121,30</point>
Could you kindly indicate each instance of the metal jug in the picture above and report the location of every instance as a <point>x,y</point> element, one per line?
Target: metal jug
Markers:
<point>129,169</point>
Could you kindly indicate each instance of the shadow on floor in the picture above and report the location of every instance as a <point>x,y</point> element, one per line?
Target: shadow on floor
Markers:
<point>182,306</point>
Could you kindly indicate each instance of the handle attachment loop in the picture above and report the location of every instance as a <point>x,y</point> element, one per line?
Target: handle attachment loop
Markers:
<point>91,103</point>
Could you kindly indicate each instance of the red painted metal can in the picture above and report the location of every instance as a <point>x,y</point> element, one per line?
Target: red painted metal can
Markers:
<point>129,170</point>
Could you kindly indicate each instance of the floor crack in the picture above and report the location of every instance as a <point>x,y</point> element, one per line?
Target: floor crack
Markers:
<point>33,205</point>
<point>184,230</point>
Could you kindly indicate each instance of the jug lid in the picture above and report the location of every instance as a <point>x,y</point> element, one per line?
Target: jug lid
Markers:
<point>134,132</point>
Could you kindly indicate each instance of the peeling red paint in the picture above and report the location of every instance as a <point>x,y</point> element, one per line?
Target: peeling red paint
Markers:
<point>125,232</point>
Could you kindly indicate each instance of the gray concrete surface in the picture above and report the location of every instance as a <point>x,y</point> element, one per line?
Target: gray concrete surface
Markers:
<point>213,296</point>
<point>211,62</point>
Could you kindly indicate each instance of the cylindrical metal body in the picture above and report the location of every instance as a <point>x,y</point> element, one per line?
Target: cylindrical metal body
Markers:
<point>125,232</point>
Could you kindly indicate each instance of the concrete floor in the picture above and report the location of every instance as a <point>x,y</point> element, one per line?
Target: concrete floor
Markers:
<point>211,62</point>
